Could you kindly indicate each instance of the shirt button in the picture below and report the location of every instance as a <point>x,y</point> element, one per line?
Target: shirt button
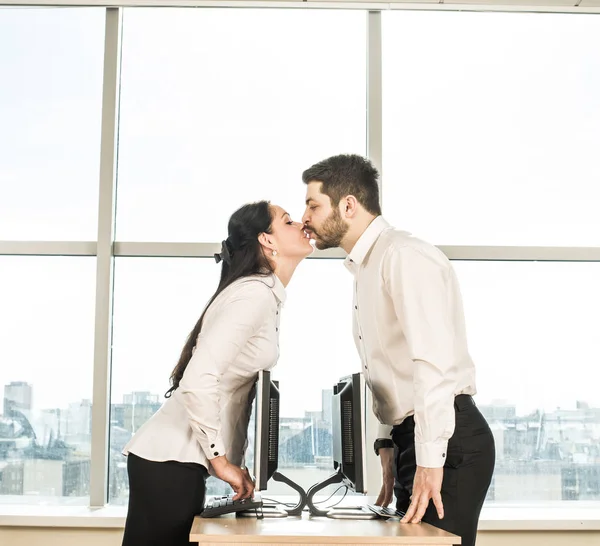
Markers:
<point>365,366</point>
<point>443,455</point>
<point>359,337</point>
<point>212,445</point>
<point>277,329</point>
<point>356,307</point>
<point>216,453</point>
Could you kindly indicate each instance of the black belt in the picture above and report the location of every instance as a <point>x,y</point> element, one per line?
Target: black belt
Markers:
<point>462,402</point>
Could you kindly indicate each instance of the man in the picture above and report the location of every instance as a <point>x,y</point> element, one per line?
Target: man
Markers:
<point>410,333</point>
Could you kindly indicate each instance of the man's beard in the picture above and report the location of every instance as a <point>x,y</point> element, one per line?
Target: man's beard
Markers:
<point>332,232</point>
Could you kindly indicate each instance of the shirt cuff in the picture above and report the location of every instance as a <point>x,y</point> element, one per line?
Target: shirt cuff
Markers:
<point>212,447</point>
<point>384,431</point>
<point>431,454</point>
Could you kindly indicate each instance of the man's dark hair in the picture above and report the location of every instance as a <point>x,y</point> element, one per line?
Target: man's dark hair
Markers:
<point>347,174</point>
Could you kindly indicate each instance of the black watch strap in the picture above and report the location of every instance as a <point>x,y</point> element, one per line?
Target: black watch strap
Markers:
<point>381,443</point>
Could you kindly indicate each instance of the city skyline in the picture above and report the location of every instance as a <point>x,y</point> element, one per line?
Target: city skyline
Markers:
<point>158,399</point>
<point>539,457</point>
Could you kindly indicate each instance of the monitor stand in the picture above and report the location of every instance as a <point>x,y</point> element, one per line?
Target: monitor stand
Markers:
<point>295,510</point>
<point>353,512</point>
<point>272,510</point>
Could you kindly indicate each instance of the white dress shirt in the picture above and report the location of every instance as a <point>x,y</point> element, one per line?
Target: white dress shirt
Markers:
<point>208,415</point>
<point>409,329</point>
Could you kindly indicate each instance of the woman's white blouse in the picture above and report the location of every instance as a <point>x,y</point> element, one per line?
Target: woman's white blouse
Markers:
<point>208,415</point>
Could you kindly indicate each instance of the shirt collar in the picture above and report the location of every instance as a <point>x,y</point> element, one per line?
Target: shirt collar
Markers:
<point>273,282</point>
<point>365,243</point>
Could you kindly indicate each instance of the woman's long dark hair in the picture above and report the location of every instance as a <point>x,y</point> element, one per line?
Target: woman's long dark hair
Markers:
<point>241,256</point>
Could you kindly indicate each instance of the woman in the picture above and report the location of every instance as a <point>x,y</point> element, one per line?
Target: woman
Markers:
<point>202,426</point>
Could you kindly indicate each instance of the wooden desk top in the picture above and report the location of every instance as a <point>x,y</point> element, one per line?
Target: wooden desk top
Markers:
<point>319,530</point>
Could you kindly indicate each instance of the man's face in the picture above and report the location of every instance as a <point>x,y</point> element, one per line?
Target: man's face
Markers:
<point>324,222</point>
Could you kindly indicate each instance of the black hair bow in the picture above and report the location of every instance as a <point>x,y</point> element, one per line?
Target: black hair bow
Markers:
<point>225,254</point>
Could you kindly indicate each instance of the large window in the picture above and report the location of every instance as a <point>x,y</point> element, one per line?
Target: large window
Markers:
<point>494,144</point>
<point>532,332</point>
<point>196,141</point>
<point>221,107</point>
<point>157,303</point>
<point>50,108</point>
<point>491,126</point>
<point>46,355</point>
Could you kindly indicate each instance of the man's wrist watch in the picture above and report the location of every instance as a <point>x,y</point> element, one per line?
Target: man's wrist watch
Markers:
<point>381,443</point>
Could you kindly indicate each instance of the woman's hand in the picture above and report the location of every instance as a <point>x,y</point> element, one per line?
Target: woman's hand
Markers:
<point>238,479</point>
<point>247,472</point>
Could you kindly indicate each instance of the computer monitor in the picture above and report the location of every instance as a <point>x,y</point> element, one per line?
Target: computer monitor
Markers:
<point>349,442</point>
<point>348,431</point>
<point>266,430</point>
<point>266,439</point>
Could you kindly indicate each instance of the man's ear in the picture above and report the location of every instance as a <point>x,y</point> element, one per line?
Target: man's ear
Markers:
<point>350,206</point>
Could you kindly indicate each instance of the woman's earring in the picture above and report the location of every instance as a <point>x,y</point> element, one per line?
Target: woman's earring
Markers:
<point>274,253</point>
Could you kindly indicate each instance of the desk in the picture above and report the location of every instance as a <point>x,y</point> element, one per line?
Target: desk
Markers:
<point>229,530</point>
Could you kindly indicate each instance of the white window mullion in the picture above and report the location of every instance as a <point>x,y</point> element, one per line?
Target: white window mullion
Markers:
<point>105,260</point>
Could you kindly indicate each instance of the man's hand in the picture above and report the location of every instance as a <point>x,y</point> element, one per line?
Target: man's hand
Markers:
<point>427,485</point>
<point>386,454</point>
<point>239,480</point>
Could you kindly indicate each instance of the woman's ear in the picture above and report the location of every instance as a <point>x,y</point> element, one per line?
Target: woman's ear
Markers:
<point>266,240</point>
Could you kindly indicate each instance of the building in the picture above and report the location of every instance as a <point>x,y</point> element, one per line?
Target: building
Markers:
<point>18,396</point>
<point>326,405</point>
<point>46,478</point>
<point>136,409</point>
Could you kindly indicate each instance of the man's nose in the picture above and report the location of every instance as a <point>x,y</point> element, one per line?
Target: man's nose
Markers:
<point>305,218</point>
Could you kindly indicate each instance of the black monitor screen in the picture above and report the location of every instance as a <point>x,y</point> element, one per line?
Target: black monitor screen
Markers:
<point>266,438</point>
<point>348,411</point>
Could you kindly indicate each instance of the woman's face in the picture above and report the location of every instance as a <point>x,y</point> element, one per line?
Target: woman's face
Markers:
<point>289,237</point>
